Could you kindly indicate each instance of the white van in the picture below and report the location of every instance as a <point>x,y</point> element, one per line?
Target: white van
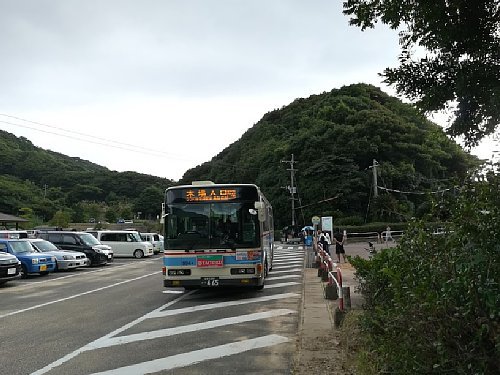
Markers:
<point>155,239</point>
<point>13,234</point>
<point>125,243</point>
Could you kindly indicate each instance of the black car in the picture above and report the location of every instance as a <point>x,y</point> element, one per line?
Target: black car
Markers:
<point>10,267</point>
<point>97,253</point>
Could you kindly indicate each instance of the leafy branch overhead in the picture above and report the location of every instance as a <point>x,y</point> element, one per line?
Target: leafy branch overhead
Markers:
<point>461,65</point>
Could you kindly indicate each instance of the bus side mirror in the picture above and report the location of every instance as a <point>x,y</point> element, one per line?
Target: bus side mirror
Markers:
<point>261,211</point>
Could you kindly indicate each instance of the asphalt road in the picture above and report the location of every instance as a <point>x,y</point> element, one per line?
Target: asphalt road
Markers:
<point>119,319</point>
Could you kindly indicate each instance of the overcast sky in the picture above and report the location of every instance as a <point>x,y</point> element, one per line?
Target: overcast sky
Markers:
<point>160,86</point>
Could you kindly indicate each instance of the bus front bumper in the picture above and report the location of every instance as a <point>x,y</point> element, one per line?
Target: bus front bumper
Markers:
<point>213,282</point>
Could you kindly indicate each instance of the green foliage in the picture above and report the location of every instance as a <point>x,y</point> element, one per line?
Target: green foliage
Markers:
<point>46,182</point>
<point>61,219</point>
<point>433,302</point>
<point>462,60</point>
<point>334,137</point>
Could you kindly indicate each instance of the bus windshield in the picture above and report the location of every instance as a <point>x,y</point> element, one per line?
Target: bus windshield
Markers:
<point>216,225</point>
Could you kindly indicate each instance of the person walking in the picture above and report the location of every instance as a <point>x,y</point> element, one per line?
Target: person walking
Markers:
<point>338,238</point>
<point>324,243</point>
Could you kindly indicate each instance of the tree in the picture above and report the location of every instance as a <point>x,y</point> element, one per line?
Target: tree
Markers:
<point>462,61</point>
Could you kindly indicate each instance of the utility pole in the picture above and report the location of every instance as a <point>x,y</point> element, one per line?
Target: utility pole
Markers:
<point>375,183</point>
<point>292,187</point>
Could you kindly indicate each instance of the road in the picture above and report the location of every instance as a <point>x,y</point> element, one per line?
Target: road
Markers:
<point>119,319</point>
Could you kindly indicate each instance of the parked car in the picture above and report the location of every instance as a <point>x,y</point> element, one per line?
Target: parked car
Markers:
<point>65,259</point>
<point>155,239</point>
<point>32,261</point>
<point>10,267</point>
<point>97,253</point>
<point>124,243</point>
<point>14,234</point>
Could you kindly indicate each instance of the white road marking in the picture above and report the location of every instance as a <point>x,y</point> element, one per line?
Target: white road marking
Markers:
<point>107,342</point>
<point>288,261</point>
<point>279,285</point>
<point>289,265</point>
<point>77,295</point>
<point>160,314</point>
<point>197,356</point>
<point>72,355</point>
<point>285,270</point>
<point>283,277</point>
<point>173,291</point>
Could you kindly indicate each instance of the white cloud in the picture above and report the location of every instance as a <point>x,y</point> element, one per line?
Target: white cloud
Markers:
<point>180,80</point>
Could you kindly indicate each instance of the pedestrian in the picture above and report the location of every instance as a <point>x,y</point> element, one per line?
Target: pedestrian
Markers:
<point>318,239</point>
<point>338,238</point>
<point>388,234</point>
<point>324,243</point>
<point>328,239</point>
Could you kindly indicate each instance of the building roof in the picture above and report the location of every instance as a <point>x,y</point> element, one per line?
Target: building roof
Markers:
<point>4,218</point>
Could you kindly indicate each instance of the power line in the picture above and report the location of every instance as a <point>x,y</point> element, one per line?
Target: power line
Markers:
<point>414,192</point>
<point>100,141</point>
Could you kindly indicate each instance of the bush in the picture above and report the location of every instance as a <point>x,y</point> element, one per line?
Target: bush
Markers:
<point>433,302</point>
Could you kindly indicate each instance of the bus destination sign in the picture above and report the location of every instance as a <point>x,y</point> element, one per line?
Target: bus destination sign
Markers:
<point>210,195</point>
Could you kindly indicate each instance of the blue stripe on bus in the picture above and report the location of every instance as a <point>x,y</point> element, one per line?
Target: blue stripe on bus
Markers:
<point>191,261</point>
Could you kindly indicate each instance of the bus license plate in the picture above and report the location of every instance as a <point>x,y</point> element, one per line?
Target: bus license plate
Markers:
<point>209,281</point>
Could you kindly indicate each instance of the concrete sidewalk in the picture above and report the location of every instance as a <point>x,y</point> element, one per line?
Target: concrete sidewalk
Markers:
<point>318,349</point>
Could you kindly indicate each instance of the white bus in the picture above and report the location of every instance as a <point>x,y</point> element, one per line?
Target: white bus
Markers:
<point>217,235</point>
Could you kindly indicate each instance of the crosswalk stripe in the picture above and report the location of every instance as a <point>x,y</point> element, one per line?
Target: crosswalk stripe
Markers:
<point>209,306</point>
<point>197,356</point>
<point>150,335</point>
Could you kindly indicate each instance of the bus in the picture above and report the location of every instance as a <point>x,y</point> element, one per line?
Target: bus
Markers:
<point>217,235</point>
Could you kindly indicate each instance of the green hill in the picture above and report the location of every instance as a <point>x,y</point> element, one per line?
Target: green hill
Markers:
<point>335,136</point>
<point>39,183</point>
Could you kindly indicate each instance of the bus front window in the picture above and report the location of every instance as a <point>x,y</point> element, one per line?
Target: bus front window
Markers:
<point>212,226</point>
<point>188,227</point>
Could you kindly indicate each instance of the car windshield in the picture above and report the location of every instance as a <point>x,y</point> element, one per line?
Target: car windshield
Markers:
<point>20,247</point>
<point>89,239</point>
<point>44,246</point>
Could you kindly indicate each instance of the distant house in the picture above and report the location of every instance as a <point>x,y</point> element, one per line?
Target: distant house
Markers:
<point>5,220</point>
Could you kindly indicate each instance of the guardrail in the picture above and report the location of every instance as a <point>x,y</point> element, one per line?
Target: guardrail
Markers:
<point>382,237</point>
<point>332,274</point>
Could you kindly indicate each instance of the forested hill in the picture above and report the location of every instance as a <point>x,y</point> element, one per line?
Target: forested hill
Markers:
<point>42,182</point>
<point>335,136</point>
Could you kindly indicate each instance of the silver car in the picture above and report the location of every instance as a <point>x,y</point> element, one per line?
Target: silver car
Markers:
<point>65,259</point>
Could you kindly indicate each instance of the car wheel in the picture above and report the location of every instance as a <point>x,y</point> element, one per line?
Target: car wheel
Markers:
<point>138,254</point>
<point>24,271</point>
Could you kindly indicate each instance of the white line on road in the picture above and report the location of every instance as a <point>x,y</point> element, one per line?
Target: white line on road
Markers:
<point>76,295</point>
<point>284,277</point>
<point>273,272</point>
<point>107,342</point>
<point>210,306</point>
<point>289,265</point>
<point>72,355</point>
<point>279,285</point>
<point>197,356</point>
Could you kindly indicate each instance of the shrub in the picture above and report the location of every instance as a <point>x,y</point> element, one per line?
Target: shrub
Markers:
<point>433,302</point>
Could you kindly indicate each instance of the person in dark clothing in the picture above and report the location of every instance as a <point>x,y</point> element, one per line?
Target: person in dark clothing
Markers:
<point>338,239</point>
<point>324,243</point>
